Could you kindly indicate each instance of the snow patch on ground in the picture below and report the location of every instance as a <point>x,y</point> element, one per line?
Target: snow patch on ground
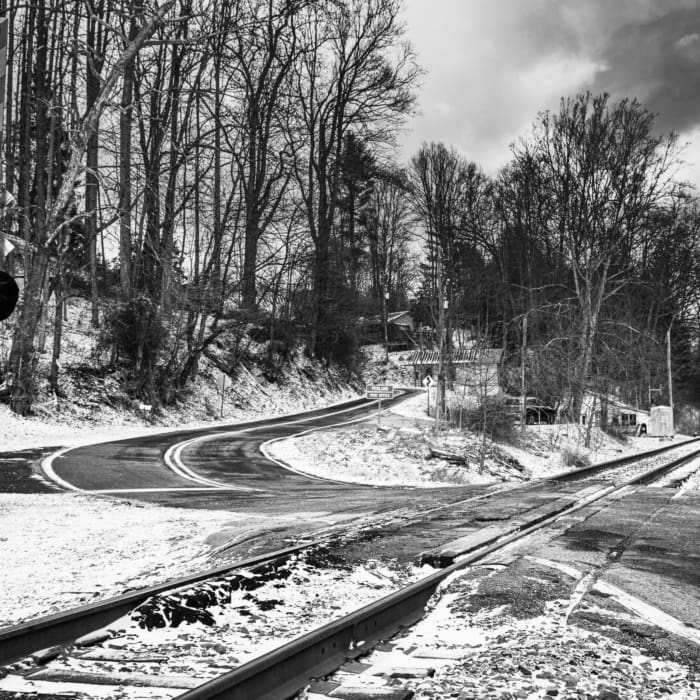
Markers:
<point>394,449</point>
<point>536,656</point>
<point>364,455</point>
<point>252,622</point>
<point>61,550</point>
<point>19,433</point>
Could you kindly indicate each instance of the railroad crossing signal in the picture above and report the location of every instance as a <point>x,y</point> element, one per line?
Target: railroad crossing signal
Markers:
<point>9,293</point>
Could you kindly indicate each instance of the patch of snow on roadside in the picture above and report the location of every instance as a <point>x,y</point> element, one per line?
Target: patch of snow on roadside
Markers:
<point>70,549</point>
<point>365,455</point>
<point>402,448</point>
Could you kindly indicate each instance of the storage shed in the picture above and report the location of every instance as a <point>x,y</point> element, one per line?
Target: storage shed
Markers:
<point>661,421</point>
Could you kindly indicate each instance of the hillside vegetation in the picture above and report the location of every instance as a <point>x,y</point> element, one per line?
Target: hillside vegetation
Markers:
<point>222,183</point>
<point>96,392</point>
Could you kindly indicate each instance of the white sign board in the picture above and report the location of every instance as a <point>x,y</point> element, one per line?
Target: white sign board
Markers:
<point>222,382</point>
<point>380,391</point>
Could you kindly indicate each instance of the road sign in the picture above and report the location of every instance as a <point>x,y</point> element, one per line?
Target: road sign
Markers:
<point>428,382</point>
<point>380,391</point>
<point>380,394</point>
<point>222,381</point>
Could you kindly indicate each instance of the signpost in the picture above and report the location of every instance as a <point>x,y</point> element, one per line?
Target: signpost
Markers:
<point>428,382</point>
<point>380,391</point>
<point>222,382</point>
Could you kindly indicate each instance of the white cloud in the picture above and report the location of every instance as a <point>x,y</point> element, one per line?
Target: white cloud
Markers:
<point>689,46</point>
<point>492,66</point>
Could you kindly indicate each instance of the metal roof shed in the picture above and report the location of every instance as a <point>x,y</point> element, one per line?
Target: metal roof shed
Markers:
<point>661,421</point>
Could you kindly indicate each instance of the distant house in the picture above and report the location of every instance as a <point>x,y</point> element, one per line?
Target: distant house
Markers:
<point>621,416</point>
<point>656,422</point>
<point>473,367</point>
<point>399,329</point>
<point>401,319</point>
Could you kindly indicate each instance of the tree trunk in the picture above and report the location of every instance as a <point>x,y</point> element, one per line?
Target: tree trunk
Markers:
<point>216,295</point>
<point>321,315</point>
<point>91,196</point>
<point>93,69</point>
<point>174,165</point>
<point>252,234</point>
<point>125,119</point>
<point>23,358</point>
<point>43,322</point>
<point>57,337</point>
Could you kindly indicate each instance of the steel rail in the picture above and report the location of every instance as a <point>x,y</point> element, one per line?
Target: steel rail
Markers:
<point>63,627</point>
<point>60,628</point>
<point>279,674</point>
<point>573,474</point>
<point>663,469</point>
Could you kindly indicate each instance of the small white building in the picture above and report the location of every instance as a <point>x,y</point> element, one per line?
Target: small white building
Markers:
<point>661,421</point>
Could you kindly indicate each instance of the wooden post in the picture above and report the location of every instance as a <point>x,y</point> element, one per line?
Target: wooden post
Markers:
<point>670,376</point>
<point>223,381</point>
<point>385,320</point>
<point>440,394</point>
<point>523,353</point>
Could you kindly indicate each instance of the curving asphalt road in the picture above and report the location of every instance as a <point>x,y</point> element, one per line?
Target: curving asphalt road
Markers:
<point>222,467</point>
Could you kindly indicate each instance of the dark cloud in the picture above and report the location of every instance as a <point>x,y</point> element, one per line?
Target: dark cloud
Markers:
<point>657,61</point>
<point>493,65</point>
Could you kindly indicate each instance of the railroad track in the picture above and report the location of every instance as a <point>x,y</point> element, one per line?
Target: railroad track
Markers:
<point>283,671</point>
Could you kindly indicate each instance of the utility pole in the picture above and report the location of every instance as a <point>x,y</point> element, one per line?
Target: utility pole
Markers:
<point>440,396</point>
<point>523,353</point>
<point>670,377</point>
<point>447,304</point>
<point>385,317</point>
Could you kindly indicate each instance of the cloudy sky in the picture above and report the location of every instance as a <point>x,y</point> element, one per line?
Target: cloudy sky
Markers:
<point>493,64</point>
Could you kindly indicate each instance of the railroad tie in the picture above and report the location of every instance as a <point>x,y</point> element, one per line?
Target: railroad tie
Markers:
<point>382,678</point>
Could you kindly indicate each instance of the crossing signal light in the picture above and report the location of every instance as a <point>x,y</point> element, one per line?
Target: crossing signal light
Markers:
<point>9,293</point>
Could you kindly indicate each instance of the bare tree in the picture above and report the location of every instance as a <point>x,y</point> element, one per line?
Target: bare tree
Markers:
<point>437,177</point>
<point>389,222</point>
<point>357,73</point>
<point>52,210</point>
<point>264,51</point>
<point>607,173</point>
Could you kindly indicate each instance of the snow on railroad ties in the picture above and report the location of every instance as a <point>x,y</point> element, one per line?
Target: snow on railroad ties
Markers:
<point>691,485</point>
<point>485,644</point>
<point>257,618</point>
<point>14,683</point>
